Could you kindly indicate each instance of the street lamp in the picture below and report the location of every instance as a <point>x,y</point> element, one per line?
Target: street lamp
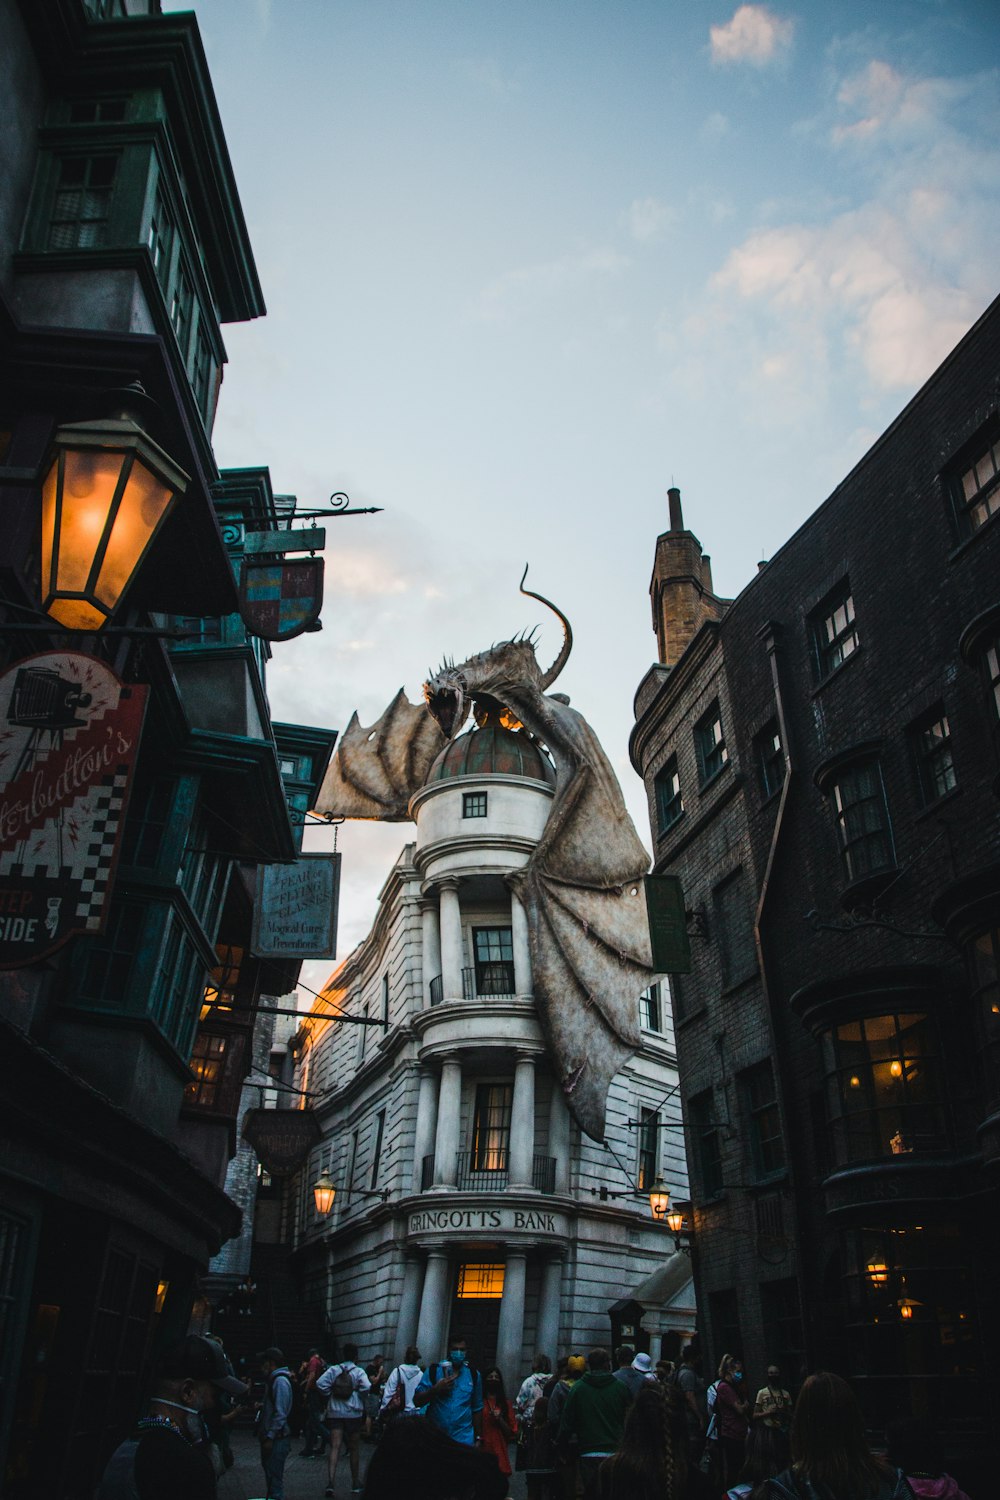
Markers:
<point>675,1220</point>
<point>659,1199</point>
<point>324,1193</point>
<point>106,494</point>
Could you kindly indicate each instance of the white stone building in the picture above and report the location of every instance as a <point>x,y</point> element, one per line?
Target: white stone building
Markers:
<point>468,1202</point>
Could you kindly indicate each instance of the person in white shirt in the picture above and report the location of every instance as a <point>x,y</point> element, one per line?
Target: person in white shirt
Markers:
<point>407,1374</point>
<point>345,1412</point>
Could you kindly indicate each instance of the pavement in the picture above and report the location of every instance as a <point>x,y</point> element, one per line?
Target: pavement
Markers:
<point>305,1478</point>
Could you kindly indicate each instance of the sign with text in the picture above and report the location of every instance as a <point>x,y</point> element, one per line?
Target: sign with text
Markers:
<point>668,934</point>
<point>502,1220</point>
<point>281,1138</point>
<point>295,914</point>
<point>69,735</point>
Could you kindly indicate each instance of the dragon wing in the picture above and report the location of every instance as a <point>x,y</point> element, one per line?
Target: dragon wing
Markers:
<point>376,771</point>
<point>588,933</point>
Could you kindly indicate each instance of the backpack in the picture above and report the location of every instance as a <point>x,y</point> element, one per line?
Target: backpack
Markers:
<point>342,1388</point>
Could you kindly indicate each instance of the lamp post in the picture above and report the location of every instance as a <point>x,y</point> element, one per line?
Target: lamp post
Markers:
<point>659,1199</point>
<point>324,1193</point>
<point>107,492</point>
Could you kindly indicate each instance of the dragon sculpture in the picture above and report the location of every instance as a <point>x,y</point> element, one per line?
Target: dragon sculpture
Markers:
<point>581,888</point>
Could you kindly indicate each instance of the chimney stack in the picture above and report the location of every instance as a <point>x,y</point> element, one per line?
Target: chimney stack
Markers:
<point>676,514</point>
<point>681,591</point>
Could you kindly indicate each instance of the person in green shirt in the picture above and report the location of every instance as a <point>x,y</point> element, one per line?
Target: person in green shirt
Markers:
<point>594,1414</point>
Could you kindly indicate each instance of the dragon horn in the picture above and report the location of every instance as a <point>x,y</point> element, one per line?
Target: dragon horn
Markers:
<point>549,677</point>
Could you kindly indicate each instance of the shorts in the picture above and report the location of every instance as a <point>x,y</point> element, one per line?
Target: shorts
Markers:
<point>349,1426</point>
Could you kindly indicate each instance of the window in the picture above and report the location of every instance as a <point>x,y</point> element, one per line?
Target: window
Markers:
<point>834,630</point>
<point>377,1153</point>
<point>724,1312</point>
<point>385,999</point>
<point>208,1063</point>
<point>649,1147</point>
<point>769,755</point>
<point>201,373</point>
<point>491,1127</point>
<point>160,241</point>
<point>977,488</point>
<point>473,804</point>
<point>862,816</point>
<point>983,954</point>
<point>353,1158</point>
<point>494,953</point>
<point>149,817</point>
<point>649,1009</point>
<point>362,1036</point>
<point>767,1148</point>
<point>991,661</point>
<point>706,1144</point>
<point>667,790</point>
<point>930,741</point>
<point>480,1281</point>
<point>181,304</point>
<point>882,1088</point>
<point>733,906</point>
<point>90,111</point>
<point>710,744</point>
<point>82,204</point>
<point>780,1313</point>
<point>108,963</point>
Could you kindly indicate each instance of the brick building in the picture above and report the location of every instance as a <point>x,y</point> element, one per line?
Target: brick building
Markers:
<point>821,756</point>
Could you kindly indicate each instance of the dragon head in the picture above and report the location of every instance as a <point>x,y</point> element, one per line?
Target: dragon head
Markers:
<point>494,676</point>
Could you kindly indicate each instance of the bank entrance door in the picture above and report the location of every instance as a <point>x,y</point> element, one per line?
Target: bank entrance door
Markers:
<point>475,1312</point>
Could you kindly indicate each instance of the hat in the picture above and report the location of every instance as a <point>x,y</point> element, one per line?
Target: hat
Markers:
<point>642,1364</point>
<point>576,1364</point>
<point>197,1358</point>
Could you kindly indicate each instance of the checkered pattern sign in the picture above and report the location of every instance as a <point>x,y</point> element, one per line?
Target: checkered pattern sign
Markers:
<point>279,600</point>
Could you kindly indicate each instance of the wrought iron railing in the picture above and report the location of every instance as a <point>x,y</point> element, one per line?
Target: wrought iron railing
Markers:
<point>494,981</point>
<point>481,1173</point>
<point>543,1174</point>
<point>426,1172</point>
<point>437,990</point>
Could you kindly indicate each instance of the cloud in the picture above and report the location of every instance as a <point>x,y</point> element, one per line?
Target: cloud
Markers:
<point>754,35</point>
<point>647,218</point>
<point>500,297</point>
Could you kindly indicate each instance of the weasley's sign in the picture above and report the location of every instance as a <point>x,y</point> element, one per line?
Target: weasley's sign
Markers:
<point>536,1221</point>
<point>281,1138</point>
<point>69,735</point>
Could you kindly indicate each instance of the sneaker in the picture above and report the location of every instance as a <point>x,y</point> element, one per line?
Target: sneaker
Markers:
<point>328,1492</point>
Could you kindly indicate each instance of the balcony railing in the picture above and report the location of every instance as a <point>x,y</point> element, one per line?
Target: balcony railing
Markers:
<point>470,1177</point>
<point>494,981</point>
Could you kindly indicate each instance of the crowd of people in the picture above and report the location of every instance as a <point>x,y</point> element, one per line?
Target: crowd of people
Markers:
<point>585,1430</point>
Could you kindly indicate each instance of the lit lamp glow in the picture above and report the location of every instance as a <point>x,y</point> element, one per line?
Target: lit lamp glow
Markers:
<point>106,494</point>
<point>896,1068</point>
<point>675,1220</point>
<point>659,1199</point>
<point>324,1193</point>
<point>878,1271</point>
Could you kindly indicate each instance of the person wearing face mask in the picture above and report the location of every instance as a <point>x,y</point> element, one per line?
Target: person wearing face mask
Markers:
<point>167,1455</point>
<point>732,1412</point>
<point>499,1422</point>
<point>452,1392</point>
<point>773,1405</point>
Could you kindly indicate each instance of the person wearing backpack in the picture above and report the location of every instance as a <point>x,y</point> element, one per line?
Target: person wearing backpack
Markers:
<point>344,1384</point>
<point>400,1387</point>
<point>275,1430</point>
<point>830,1453</point>
<point>452,1392</point>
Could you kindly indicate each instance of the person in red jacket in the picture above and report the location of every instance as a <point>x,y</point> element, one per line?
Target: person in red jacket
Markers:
<point>732,1412</point>
<point>499,1427</point>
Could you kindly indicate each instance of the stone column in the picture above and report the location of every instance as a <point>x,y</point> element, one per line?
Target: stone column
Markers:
<point>432,1325</point>
<point>549,1308</point>
<point>656,1344</point>
<point>510,1335</point>
<point>427,1107</point>
<point>431,945</point>
<point>522,1123</point>
<point>559,1136</point>
<point>448,1123</point>
<point>522,954</point>
<point>451,941</point>
<point>409,1305</point>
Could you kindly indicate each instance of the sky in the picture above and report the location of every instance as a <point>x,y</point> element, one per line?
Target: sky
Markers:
<point>528,263</point>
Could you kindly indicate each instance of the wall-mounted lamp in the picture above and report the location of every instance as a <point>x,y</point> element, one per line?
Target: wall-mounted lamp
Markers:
<point>324,1193</point>
<point>659,1199</point>
<point>106,494</point>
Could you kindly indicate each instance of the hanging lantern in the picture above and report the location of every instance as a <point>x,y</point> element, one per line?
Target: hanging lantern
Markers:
<point>324,1193</point>
<point>675,1220</point>
<point>878,1271</point>
<point>659,1199</point>
<point>107,492</point>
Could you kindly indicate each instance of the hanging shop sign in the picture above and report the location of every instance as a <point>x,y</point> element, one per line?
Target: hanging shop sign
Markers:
<point>69,735</point>
<point>282,1138</point>
<point>668,934</point>
<point>279,600</point>
<point>295,914</point>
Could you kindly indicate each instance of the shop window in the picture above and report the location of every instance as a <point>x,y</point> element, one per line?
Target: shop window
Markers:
<point>834,630</point>
<point>474,804</point>
<point>107,966</point>
<point>769,757</point>
<point>930,743</point>
<point>710,745</point>
<point>491,1127</point>
<point>494,957</point>
<point>976,489</point>
<point>882,1088</point>
<point>150,814</point>
<point>480,1281</point>
<point>649,1148</point>
<point>181,305</point>
<point>204,876</point>
<point>706,1142</point>
<point>649,1009</point>
<point>862,816</point>
<point>94,111</point>
<point>733,908</point>
<point>208,1064</point>
<point>767,1146</point>
<point>81,208</point>
<point>669,802</point>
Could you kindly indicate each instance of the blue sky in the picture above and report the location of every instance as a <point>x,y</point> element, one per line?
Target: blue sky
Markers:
<point>528,263</point>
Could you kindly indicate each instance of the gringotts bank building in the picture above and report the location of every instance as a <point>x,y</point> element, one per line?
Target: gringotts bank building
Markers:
<point>494,1142</point>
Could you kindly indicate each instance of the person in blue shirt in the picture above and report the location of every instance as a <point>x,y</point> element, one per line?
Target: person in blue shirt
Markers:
<point>454,1401</point>
<point>275,1420</point>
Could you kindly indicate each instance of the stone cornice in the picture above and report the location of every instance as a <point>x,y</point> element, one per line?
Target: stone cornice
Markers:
<point>464,844</point>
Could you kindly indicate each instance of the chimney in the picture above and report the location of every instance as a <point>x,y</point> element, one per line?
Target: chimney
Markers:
<point>680,591</point>
<point>676,514</point>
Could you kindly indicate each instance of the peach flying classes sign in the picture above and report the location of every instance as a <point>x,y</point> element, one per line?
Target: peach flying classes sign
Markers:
<point>69,734</point>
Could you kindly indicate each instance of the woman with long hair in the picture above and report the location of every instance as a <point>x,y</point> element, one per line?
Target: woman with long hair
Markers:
<point>499,1427</point>
<point>831,1458</point>
<point>766,1455</point>
<point>732,1416</point>
<point>652,1462</point>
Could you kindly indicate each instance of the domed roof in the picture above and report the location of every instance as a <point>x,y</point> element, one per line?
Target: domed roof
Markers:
<point>492,751</point>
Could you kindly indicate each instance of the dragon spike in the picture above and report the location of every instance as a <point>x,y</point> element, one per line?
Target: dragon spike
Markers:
<point>549,677</point>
